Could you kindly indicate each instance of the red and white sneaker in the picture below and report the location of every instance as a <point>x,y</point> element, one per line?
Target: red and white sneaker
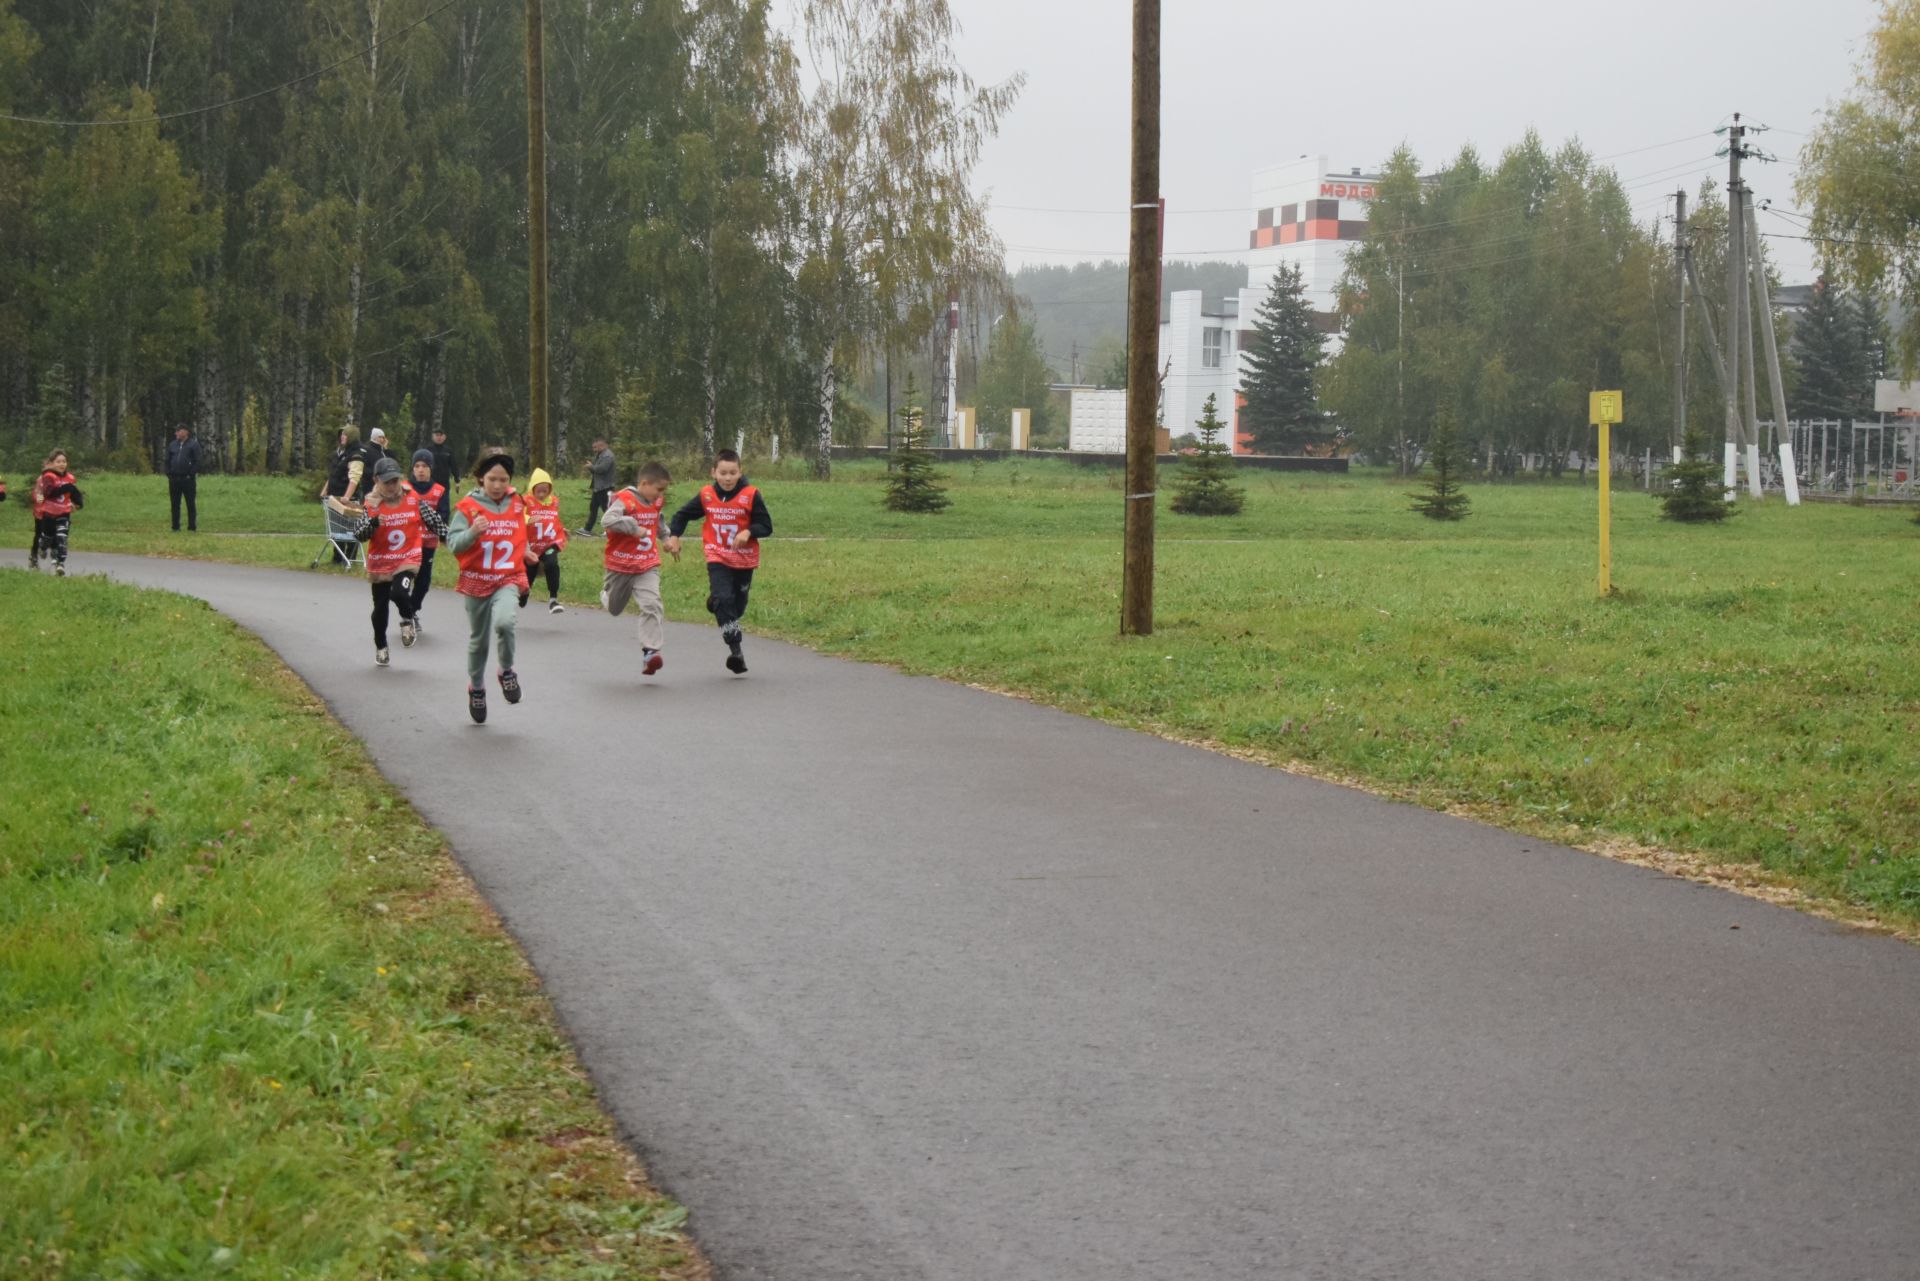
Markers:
<point>653,664</point>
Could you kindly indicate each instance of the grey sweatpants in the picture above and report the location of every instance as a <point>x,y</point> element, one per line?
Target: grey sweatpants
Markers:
<point>488,617</point>
<point>643,592</point>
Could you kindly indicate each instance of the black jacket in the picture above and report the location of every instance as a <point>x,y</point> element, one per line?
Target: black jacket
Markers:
<point>183,457</point>
<point>337,474</point>
<point>442,464</point>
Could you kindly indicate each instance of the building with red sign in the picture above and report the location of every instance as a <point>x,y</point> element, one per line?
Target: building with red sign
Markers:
<point>1307,214</point>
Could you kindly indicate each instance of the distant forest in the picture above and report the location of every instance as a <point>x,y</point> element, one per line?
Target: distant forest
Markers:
<point>1083,304</point>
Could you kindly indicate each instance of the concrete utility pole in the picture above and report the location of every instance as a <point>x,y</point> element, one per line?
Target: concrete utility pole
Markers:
<point>1736,287</point>
<point>1748,365</point>
<point>536,241</point>
<point>1776,386</point>
<point>1680,344</point>
<point>1143,325</point>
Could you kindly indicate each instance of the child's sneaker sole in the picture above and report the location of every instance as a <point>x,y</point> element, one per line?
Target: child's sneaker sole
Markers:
<point>381,658</point>
<point>510,686</point>
<point>477,705</point>
<point>407,632</point>
<point>737,663</point>
<point>653,664</point>
<point>555,607</point>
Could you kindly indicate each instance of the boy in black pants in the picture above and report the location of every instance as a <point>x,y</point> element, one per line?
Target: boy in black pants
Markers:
<point>736,520</point>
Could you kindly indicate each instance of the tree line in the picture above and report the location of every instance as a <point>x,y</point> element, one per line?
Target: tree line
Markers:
<point>270,220</point>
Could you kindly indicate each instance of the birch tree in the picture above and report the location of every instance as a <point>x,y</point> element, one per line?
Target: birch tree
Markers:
<point>884,158</point>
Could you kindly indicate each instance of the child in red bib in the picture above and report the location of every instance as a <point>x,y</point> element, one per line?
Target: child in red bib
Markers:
<point>434,495</point>
<point>394,529</point>
<point>736,520</point>
<point>632,559</point>
<point>545,535</point>
<point>55,496</point>
<point>489,539</point>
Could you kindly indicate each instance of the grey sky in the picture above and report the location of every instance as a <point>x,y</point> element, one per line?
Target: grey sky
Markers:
<point>1251,83</point>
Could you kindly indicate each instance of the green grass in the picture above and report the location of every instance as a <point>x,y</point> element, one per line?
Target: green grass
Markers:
<point>253,1022</point>
<point>1748,696</point>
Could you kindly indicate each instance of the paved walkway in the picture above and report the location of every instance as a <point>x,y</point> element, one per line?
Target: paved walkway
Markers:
<point>888,978</point>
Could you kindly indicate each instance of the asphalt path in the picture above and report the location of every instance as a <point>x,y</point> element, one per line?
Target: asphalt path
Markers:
<point>889,978</point>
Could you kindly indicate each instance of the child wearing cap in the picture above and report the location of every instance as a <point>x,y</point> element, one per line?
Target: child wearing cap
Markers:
<point>545,534</point>
<point>489,539</point>
<point>394,528</point>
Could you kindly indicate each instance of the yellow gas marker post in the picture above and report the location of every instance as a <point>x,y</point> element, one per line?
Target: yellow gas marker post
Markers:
<point>1603,410</point>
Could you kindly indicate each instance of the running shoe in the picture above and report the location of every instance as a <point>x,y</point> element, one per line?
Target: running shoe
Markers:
<point>60,569</point>
<point>477,704</point>
<point>555,607</point>
<point>380,657</point>
<point>510,684</point>
<point>408,630</point>
<point>653,664</point>
<point>737,662</point>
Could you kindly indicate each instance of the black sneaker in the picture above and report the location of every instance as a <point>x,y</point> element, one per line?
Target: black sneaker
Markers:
<point>510,685</point>
<point>477,704</point>
<point>737,662</point>
<point>408,630</point>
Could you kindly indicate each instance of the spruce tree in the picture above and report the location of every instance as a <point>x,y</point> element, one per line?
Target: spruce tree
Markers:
<point>1443,499</point>
<point>1696,489</point>
<point>913,486</point>
<point>1204,486</point>
<point>1282,412</point>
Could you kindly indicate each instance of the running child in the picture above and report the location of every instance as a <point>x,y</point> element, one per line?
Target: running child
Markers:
<point>632,559</point>
<point>55,498</point>
<point>393,529</point>
<point>545,534</point>
<point>488,538</point>
<point>736,520</point>
<point>434,495</point>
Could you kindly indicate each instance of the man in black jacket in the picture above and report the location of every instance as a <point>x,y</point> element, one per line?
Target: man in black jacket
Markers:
<point>443,468</point>
<point>183,469</point>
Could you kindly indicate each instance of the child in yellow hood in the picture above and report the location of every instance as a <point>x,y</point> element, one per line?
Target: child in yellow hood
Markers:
<point>546,535</point>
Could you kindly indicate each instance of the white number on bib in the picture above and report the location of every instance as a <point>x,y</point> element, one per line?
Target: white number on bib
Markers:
<point>646,540</point>
<point>728,533</point>
<point>396,539</point>
<point>497,554</point>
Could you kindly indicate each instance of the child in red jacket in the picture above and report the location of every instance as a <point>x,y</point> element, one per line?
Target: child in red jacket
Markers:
<point>55,497</point>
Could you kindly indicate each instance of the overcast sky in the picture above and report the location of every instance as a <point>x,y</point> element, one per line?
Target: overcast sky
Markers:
<point>1251,83</point>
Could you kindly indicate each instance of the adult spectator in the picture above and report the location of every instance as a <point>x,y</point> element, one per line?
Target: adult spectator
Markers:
<point>348,468</point>
<point>376,450</point>
<point>600,477</point>
<point>183,471</point>
<point>442,459</point>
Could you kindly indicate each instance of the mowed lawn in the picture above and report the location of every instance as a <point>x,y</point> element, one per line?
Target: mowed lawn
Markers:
<point>1749,696</point>
<point>253,1022</point>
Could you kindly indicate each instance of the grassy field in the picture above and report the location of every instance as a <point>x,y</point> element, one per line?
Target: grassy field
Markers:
<point>253,1022</point>
<point>1749,697</point>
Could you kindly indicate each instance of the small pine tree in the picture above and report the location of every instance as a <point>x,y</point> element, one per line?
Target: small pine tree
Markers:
<point>1696,489</point>
<point>913,486</point>
<point>1204,486</point>
<point>1443,499</point>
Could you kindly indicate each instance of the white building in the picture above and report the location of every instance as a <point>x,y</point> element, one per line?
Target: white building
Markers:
<point>1304,213</point>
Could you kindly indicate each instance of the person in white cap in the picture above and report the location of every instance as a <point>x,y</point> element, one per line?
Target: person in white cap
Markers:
<point>376,450</point>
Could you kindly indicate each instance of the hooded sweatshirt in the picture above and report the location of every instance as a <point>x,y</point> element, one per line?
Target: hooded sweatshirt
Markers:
<point>464,533</point>
<point>544,527</point>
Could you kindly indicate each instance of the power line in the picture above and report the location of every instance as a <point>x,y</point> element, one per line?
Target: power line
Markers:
<point>234,102</point>
<point>1117,210</point>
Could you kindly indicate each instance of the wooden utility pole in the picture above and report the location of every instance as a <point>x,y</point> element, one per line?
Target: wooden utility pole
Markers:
<point>1680,343</point>
<point>536,241</point>
<point>1143,325</point>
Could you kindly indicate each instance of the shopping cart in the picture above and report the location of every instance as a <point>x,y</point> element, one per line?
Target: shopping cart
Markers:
<point>341,546</point>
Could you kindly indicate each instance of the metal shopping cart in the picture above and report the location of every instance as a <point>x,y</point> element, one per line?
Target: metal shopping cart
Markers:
<point>342,546</point>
